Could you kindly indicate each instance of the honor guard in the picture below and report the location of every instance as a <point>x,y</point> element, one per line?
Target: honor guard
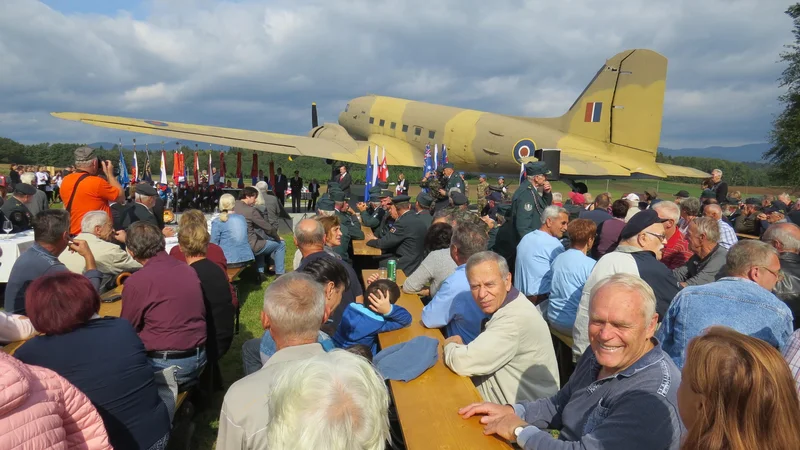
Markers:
<point>423,207</point>
<point>406,241</point>
<point>14,209</point>
<point>483,188</point>
<point>528,204</point>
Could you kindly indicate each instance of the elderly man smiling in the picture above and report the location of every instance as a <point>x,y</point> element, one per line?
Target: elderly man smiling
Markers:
<point>623,393</point>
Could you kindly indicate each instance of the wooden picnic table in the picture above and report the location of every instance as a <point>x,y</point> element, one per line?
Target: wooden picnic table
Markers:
<point>107,309</point>
<point>427,406</point>
<point>360,247</point>
<point>747,236</point>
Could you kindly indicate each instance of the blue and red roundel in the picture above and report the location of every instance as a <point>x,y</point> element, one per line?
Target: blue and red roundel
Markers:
<point>524,149</point>
<point>156,123</point>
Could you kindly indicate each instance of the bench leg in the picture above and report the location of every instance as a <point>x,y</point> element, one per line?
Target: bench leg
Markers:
<point>238,307</point>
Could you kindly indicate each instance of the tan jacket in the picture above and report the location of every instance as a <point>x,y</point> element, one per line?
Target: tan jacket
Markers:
<point>109,257</point>
<point>244,417</point>
<point>513,359</point>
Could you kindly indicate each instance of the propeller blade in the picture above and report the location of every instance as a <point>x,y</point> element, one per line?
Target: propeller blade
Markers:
<point>314,121</point>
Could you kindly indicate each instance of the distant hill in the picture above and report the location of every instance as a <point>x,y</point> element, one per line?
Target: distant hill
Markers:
<point>742,153</point>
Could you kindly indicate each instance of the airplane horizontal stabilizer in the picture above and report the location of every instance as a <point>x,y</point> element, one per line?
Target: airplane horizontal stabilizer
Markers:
<point>681,171</point>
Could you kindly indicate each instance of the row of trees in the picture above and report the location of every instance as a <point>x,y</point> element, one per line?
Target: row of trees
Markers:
<point>735,173</point>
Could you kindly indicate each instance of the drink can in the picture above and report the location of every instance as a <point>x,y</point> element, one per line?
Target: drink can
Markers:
<point>391,269</point>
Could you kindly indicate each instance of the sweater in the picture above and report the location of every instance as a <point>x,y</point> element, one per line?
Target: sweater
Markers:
<point>513,359</point>
<point>40,409</point>
<point>360,325</point>
<point>432,272</point>
<point>14,328</point>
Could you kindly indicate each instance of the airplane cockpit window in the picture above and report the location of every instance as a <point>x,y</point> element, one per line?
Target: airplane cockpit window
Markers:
<point>393,125</point>
<point>417,131</point>
<point>431,134</point>
<point>382,123</point>
<point>347,107</point>
<point>371,120</point>
<point>405,128</point>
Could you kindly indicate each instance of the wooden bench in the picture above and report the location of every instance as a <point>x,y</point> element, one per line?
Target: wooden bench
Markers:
<point>562,344</point>
<point>234,272</point>
<point>747,236</point>
<point>233,277</point>
<point>427,407</point>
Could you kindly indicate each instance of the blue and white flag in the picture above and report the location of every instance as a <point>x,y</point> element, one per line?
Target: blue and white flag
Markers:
<point>123,168</point>
<point>368,178</point>
<point>436,162</point>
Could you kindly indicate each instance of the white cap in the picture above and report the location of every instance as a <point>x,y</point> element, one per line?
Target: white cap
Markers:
<point>632,197</point>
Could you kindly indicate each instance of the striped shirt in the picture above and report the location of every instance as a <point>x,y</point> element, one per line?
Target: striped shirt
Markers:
<point>792,356</point>
<point>727,236</point>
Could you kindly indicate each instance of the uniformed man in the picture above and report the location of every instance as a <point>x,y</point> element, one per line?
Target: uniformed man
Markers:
<point>459,200</point>
<point>493,201</point>
<point>454,182</point>
<point>431,182</point>
<point>142,209</point>
<point>350,227</point>
<point>14,208</point>
<point>423,207</point>
<point>406,241</point>
<point>483,187</point>
<point>372,213</point>
<point>501,183</point>
<point>528,204</point>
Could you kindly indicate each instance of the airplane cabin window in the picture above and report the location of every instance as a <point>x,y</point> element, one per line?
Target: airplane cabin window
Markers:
<point>393,125</point>
<point>431,134</point>
<point>382,122</point>
<point>371,120</point>
<point>417,131</point>
<point>405,128</point>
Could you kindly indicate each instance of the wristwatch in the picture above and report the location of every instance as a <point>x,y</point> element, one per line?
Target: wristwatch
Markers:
<point>517,432</point>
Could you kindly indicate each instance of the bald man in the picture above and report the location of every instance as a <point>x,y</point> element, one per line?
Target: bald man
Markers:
<point>727,235</point>
<point>785,237</point>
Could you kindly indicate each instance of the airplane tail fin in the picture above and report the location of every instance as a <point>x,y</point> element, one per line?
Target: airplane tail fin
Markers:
<point>623,103</point>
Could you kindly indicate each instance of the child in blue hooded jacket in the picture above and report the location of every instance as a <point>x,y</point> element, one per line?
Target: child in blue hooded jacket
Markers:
<point>361,324</point>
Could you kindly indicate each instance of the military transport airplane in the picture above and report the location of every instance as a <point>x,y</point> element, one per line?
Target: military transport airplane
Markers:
<point>611,131</point>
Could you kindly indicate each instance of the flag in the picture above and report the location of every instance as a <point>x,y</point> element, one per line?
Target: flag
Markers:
<point>445,159</point>
<point>184,170</point>
<point>222,167</point>
<point>271,181</point>
<point>176,167</point>
<point>240,183</point>
<point>368,176</point>
<point>429,164</point>
<point>521,172</point>
<point>135,168</point>
<point>123,169</point>
<point>163,177</point>
<point>148,176</point>
<point>593,112</point>
<point>254,169</point>
<point>383,169</point>
<point>210,170</point>
<point>374,176</point>
<point>436,160</point>
<point>196,170</point>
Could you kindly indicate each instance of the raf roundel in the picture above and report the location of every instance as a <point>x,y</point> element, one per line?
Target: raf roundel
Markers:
<point>524,149</point>
<point>156,123</point>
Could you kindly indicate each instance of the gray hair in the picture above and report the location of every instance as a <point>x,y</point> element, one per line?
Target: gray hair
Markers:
<point>707,226</point>
<point>557,197</point>
<point>28,178</point>
<point>93,219</point>
<point>716,171</point>
<point>785,234</point>
<point>295,305</point>
<point>747,254</point>
<point>469,238</point>
<point>261,186</point>
<point>482,257</point>
<point>633,283</point>
<point>144,240</point>
<point>552,212</point>
<point>670,210</point>
<point>691,206</point>
<point>335,400</point>
<point>50,225</point>
<point>141,197</point>
<point>306,235</point>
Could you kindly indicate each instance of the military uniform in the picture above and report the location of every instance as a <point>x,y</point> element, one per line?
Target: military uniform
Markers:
<point>483,186</point>
<point>350,227</point>
<point>19,214</point>
<point>406,241</point>
<point>373,217</point>
<point>527,205</point>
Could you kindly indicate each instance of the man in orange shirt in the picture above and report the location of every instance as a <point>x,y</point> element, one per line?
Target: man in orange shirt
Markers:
<point>93,192</point>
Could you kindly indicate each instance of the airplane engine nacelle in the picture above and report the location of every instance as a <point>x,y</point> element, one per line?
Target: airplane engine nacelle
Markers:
<point>334,132</point>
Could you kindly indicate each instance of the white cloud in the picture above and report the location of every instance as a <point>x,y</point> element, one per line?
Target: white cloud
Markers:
<point>258,65</point>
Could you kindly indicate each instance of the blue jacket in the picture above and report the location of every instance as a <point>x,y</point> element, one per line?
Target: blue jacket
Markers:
<point>359,325</point>
<point>733,302</point>
<point>231,236</point>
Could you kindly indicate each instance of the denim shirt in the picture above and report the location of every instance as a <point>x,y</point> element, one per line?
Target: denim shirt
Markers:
<point>733,302</point>
<point>231,236</point>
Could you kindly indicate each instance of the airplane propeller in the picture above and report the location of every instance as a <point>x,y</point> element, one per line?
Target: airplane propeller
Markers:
<point>314,121</point>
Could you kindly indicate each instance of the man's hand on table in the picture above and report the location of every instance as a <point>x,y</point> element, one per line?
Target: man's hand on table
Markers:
<point>499,419</point>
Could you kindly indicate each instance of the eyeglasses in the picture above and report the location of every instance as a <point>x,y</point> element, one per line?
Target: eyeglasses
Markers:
<point>660,237</point>
<point>779,274</point>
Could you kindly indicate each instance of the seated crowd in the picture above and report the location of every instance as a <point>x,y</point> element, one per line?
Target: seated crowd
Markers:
<point>669,323</point>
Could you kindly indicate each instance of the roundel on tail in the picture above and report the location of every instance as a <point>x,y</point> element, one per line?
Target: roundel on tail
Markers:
<point>524,149</point>
<point>156,123</point>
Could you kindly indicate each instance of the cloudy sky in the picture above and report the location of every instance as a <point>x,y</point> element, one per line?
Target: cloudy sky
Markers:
<point>259,64</point>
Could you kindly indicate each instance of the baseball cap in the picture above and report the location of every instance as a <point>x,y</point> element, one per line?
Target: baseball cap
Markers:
<point>682,194</point>
<point>577,198</point>
<point>632,197</point>
<point>639,222</point>
<point>84,154</point>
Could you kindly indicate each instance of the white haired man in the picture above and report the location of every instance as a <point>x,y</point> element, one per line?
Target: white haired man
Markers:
<point>38,201</point>
<point>535,254</point>
<point>743,300</point>
<point>785,237</point>
<point>709,256</point>
<point>294,310</point>
<point>512,359</point>
<point>335,401</point>
<point>727,235</point>
<point>110,259</point>
<point>719,187</point>
<point>623,393</point>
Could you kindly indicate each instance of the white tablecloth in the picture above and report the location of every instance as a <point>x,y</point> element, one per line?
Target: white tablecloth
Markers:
<point>173,241</point>
<point>12,247</point>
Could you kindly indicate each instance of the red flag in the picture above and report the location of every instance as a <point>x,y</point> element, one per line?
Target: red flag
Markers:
<point>181,167</point>
<point>383,169</point>
<point>222,167</point>
<point>176,167</point>
<point>196,170</point>
<point>254,169</point>
<point>239,164</point>
<point>272,175</point>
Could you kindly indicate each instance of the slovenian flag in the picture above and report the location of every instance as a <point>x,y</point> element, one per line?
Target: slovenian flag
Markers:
<point>135,168</point>
<point>593,111</point>
<point>383,172</point>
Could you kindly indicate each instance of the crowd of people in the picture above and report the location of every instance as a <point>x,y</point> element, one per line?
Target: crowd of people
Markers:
<point>683,335</point>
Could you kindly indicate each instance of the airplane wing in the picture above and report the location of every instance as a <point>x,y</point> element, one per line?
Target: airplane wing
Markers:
<point>681,171</point>
<point>340,148</point>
